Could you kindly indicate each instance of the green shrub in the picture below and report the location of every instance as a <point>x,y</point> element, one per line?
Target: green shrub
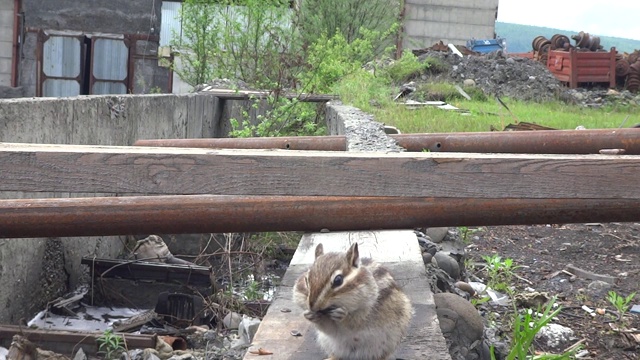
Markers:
<point>405,68</point>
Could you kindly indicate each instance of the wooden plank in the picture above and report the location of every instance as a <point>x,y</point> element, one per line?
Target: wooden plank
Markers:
<point>399,252</point>
<point>169,171</point>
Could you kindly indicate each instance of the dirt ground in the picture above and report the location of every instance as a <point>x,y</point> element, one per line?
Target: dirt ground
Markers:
<point>611,249</point>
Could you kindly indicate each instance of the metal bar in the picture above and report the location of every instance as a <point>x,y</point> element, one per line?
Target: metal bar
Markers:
<point>522,142</point>
<point>140,270</point>
<point>176,214</point>
<point>73,339</point>
<point>526,142</point>
<point>317,143</point>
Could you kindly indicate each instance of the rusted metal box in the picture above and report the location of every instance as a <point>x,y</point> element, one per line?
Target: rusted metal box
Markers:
<point>574,67</point>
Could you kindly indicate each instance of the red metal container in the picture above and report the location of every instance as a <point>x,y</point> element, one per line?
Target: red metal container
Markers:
<point>574,66</point>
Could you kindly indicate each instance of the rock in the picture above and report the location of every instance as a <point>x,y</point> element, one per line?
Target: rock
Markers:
<point>465,287</point>
<point>437,234</point>
<point>598,289</point>
<point>461,326</point>
<point>187,356</point>
<point>531,300</point>
<point>555,335</point>
<point>247,328</point>
<point>446,263</point>
<point>162,350</point>
<point>80,355</point>
<point>469,82</point>
<point>232,320</point>
<point>427,257</point>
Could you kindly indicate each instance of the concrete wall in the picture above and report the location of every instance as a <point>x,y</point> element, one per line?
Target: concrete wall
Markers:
<point>105,16</point>
<point>6,41</point>
<point>429,21</point>
<point>363,133</point>
<point>34,271</point>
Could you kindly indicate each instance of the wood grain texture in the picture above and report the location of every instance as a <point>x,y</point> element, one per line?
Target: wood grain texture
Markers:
<point>148,170</point>
<point>399,252</point>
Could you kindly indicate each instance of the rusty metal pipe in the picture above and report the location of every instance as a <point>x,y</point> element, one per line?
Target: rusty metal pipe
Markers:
<point>68,341</point>
<point>524,142</point>
<point>318,143</point>
<point>217,214</point>
<point>531,142</point>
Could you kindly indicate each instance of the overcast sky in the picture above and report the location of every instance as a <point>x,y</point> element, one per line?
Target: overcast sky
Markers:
<point>619,18</point>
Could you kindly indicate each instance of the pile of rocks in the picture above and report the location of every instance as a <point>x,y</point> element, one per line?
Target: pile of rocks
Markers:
<point>496,74</point>
<point>520,78</point>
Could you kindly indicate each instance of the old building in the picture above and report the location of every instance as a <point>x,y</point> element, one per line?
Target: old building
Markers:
<point>426,22</point>
<point>68,48</point>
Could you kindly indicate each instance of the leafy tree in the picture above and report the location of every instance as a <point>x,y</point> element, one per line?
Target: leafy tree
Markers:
<point>347,17</point>
<point>196,41</point>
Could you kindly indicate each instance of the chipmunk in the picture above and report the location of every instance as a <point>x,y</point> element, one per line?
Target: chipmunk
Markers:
<point>355,304</point>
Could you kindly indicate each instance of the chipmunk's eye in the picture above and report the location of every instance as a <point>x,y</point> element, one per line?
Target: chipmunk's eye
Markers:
<point>337,281</point>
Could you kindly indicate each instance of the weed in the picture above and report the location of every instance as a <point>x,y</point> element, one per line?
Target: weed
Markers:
<point>406,68</point>
<point>499,272</point>
<point>480,301</point>
<point>525,328</point>
<point>252,291</point>
<point>110,344</point>
<point>620,303</point>
<point>466,233</point>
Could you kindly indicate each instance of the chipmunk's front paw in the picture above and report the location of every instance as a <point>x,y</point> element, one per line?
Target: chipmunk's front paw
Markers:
<point>338,314</point>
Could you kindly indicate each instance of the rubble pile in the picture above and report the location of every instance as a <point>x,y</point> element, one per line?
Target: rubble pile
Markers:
<point>520,78</point>
<point>496,74</point>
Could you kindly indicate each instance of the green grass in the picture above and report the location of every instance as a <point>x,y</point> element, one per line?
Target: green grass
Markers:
<point>375,96</point>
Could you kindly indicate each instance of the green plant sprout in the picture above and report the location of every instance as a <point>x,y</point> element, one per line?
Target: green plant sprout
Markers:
<point>110,345</point>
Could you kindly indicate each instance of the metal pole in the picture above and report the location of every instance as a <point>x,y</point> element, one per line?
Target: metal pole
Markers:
<point>318,143</point>
<point>524,142</point>
<point>177,214</point>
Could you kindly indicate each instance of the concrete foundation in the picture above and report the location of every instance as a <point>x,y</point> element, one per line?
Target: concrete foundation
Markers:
<point>362,131</point>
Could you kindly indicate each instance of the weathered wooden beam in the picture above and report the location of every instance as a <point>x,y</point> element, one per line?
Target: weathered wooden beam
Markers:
<point>396,250</point>
<point>147,170</point>
<point>176,214</point>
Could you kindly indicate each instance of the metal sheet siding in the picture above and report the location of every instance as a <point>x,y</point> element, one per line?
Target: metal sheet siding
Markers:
<point>61,57</point>
<point>170,21</point>
<point>110,59</point>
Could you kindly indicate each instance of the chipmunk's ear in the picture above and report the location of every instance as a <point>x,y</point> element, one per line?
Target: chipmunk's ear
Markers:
<point>353,256</point>
<point>319,250</point>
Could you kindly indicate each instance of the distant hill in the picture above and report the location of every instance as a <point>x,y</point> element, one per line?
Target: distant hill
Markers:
<point>519,37</point>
